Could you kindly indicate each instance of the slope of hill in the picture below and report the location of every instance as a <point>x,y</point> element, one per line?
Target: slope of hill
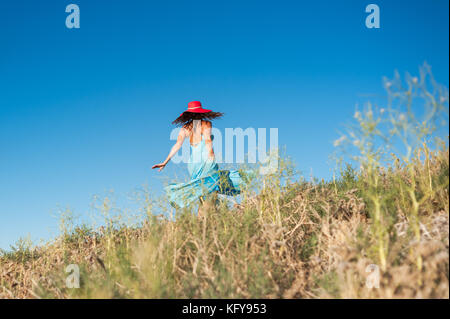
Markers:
<point>380,231</point>
<point>298,240</point>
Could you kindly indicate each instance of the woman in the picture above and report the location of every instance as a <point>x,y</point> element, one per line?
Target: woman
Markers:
<point>206,179</point>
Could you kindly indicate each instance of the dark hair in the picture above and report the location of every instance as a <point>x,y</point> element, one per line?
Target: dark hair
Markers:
<point>186,118</point>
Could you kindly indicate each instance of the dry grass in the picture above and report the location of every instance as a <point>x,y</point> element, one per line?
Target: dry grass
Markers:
<point>299,240</point>
<point>287,239</point>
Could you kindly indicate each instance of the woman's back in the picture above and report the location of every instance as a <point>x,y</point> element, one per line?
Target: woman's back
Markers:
<point>202,162</point>
<point>198,130</point>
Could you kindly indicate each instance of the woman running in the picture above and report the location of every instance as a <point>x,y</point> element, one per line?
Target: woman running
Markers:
<point>206,179</point>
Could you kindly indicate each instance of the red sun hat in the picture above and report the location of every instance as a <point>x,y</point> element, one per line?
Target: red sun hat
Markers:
<point>196,107</point>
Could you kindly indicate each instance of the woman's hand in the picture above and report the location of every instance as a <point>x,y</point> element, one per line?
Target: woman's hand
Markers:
<point>181,136</point>
<point>160,166</point>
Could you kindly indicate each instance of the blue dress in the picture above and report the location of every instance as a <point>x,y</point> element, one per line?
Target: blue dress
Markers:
<point>205,178</point>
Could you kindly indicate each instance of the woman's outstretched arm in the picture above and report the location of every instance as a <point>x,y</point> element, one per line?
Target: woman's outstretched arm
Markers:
<point>180,139</point>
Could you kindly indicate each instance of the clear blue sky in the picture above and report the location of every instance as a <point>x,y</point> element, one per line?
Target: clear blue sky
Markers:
<point>87,110</point>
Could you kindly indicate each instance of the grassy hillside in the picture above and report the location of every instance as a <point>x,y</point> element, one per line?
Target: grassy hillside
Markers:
<point>288,238</point>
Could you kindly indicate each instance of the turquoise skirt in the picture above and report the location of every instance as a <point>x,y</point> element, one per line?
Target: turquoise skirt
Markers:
<point>205,179</point>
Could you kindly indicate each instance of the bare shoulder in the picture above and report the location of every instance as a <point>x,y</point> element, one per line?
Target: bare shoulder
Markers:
<point>206,124</point>
<point>184,131</point>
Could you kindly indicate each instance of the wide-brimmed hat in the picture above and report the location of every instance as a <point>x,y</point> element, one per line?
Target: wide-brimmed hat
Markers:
<point>195,107</point>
